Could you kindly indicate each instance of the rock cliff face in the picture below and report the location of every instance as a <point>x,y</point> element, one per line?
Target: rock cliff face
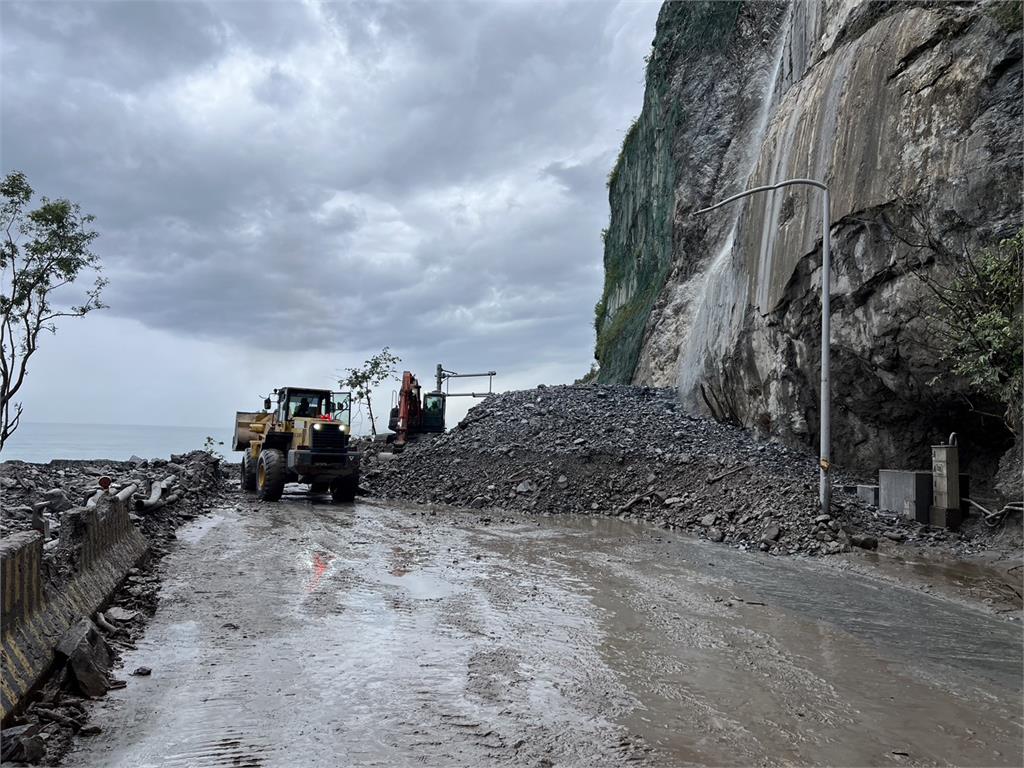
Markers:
<point>911,113</point>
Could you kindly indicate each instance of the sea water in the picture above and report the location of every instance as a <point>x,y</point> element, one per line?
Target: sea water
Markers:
<point>40,442</point>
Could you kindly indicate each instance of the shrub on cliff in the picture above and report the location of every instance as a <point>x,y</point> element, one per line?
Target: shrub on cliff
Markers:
<point>977,318</point>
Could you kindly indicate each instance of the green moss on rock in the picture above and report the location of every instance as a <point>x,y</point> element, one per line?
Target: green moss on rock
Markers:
<point>641,187</point>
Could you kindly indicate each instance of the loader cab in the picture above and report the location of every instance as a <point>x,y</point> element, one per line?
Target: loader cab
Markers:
<point>301,403</point>
<point>293,403</point>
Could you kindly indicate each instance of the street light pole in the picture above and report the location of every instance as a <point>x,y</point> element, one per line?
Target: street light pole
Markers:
<point>824,463</point>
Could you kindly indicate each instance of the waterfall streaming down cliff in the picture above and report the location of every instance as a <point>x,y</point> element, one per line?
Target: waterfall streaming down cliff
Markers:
<point>720,300</point>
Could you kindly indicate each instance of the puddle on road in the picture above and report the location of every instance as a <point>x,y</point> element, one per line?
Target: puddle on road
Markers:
<point>978,581</point>
<point>418,585</point>
<point>197,529</point>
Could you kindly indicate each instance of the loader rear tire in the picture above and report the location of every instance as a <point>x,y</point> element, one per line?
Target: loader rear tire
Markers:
<point>344,488</point>
<point>248,473</point>
<point>271,471</point>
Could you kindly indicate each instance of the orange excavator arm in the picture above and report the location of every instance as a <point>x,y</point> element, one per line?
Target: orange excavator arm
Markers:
<point>409,408</point>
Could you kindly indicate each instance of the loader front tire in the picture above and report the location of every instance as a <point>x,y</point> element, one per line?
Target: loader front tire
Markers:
<point>344,488</point>
<point>248,477</point>
<point>271,471</point>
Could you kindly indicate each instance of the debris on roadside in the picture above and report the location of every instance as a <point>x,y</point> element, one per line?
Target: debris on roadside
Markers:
<point>89,651</point>
<point>168,491</point>
<point>633,453</point>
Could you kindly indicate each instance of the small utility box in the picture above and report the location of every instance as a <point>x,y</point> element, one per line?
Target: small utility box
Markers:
<point>945,511</point>
<point>868,494</point>
<point>907,492</point>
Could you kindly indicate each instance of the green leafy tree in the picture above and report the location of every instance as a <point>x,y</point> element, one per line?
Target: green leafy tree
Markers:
<point>977,321</point>
<point>44,251</point>
<point>370,374</point>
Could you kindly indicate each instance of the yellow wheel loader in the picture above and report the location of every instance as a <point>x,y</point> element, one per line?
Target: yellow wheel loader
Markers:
<point>302,438</point>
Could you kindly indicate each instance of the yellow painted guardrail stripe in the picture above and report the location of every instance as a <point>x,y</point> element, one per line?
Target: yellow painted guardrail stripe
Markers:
<point>9,669</point>
<point>10,694</point>
<point>23,579</point>
<point>22,659</point>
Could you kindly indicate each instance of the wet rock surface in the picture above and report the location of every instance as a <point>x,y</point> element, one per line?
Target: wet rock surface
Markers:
<point>905,110</point>
<point>633,453</point>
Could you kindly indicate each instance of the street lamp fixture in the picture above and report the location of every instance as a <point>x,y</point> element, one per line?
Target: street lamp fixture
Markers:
<point>824,463</point>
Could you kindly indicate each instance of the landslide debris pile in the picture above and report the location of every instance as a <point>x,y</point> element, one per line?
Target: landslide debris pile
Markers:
<point>632,452</point>
<point>169,492</point>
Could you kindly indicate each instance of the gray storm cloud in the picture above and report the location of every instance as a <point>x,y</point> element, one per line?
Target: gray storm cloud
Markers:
<point>339,175</point>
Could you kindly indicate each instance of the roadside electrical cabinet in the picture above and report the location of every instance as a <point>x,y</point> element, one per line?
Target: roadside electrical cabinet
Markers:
<point>945,511</point>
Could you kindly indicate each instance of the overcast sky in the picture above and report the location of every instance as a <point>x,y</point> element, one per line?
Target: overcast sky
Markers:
<point>284,188</point>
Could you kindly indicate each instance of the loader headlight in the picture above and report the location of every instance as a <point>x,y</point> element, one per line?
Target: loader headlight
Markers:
<point>318,426</point>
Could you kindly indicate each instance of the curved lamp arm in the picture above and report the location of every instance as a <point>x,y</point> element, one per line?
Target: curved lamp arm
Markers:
<point>824,461</point>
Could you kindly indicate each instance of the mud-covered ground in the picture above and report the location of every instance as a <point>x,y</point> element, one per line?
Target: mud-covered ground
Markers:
<point>305,633</point>
<point>632,453</point>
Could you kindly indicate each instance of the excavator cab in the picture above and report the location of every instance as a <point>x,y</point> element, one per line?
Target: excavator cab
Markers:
<point>414,412</point>
<point>433,412</point>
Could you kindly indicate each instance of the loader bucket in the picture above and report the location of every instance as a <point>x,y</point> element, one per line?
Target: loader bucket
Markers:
<point>243,434</point>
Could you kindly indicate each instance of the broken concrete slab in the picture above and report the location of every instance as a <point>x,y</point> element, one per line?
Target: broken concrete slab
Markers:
<point>21,743</point>
<point>88,657</point>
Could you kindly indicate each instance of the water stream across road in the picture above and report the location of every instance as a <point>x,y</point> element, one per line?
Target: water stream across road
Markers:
<point>305,634</point>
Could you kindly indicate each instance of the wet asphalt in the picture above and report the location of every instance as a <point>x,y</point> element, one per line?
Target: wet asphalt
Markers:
<point>308,634</point>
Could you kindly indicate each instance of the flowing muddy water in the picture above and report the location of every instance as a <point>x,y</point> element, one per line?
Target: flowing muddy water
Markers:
<point>305,634</point>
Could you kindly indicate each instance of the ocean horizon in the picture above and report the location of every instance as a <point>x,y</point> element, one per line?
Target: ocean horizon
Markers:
<point>42,442</point>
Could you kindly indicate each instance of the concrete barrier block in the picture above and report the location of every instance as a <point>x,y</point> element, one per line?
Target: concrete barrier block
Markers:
<point>21,556</point>
<point>101,545</point>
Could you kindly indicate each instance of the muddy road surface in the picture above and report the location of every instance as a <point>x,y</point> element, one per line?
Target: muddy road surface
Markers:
<point>305,634</point>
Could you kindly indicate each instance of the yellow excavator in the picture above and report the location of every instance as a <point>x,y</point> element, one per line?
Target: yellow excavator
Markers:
<point>303,437</point>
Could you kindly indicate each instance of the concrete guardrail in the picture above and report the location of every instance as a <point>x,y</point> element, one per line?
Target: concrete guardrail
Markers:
<point>99,545</point>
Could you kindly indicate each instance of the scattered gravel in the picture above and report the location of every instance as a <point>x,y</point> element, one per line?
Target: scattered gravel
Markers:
<point>633,453</point>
